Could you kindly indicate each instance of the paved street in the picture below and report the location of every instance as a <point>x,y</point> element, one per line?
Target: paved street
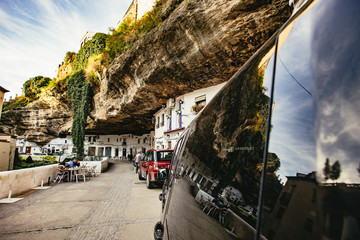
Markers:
<point>113,205</point>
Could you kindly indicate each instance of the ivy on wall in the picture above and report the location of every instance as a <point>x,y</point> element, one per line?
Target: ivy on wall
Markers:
<point>79,92</point>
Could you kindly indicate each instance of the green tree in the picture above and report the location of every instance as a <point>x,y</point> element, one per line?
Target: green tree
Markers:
<point>331,171</point>
<point>327,169</point>
<point>335,171</point>
<point>69,57</point>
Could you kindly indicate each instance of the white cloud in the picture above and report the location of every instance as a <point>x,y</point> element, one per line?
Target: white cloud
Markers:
<point>35,35</point>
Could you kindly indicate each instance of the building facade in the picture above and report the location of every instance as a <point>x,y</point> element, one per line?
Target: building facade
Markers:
<point>116,146</point>
<point>177,114</point>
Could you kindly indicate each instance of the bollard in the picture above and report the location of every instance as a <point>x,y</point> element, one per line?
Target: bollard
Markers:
<point>10,191</point>
<point>42,183</point>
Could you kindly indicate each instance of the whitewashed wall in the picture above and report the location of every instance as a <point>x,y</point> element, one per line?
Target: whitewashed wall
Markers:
<point>163,133</point>
<point>25,179</point>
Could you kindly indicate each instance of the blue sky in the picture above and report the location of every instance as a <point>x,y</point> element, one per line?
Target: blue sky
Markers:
<point>36,34</point>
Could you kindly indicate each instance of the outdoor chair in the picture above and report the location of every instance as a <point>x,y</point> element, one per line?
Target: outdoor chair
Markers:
<point>92,171</point>
<point>80,173</point>
<point>61,174</point>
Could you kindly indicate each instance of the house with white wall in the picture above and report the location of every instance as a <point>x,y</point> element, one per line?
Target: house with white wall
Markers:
<point>177,114</point>
<point>117,145</point>
<point>59,146</point>
<point>94,145</point>
<point>27,147</point>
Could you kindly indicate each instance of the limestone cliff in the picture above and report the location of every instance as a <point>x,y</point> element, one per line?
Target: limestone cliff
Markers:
<point>202,43</point>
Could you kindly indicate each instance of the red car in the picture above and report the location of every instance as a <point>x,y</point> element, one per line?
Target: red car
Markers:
<point>154,166</point>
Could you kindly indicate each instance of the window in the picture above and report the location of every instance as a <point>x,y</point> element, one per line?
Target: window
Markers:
<point>139,141</point>
<point>108,139</point>
<point>164,156</point>
<point>169,120</point>
<point>198,178</point>
<point>179,120</point>
<point>162,120</point>
<point>150,156</point>
<point>65,141</point>
<point>144,141</point>
<point>94,139</point>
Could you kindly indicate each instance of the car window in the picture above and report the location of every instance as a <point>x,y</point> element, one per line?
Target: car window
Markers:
<point>164,156</point>
<point>150,156</point>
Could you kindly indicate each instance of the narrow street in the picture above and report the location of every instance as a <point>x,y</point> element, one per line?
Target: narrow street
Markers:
<point>113,205</point>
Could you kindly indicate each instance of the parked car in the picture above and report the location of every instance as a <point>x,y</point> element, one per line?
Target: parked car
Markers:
<point>283,134</point>
<point>154,166</point>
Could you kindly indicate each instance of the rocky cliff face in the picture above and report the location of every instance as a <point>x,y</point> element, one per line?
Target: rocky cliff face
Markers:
<point>202,43</point>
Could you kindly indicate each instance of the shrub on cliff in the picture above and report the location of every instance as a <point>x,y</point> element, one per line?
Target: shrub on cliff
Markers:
<point>32,87</point>
<point>129,32</point>
<point>94,46</point>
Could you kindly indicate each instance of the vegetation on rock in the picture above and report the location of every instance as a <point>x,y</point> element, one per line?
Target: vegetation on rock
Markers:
<point>99,52</point>
<point>79,91</point>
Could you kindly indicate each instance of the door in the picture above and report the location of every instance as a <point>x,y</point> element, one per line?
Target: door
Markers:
<point>116,152</point>
<point>28,150</point>
<point>107,151</point>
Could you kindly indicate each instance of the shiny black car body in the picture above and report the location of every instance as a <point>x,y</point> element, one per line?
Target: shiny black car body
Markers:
<point>292,109</point>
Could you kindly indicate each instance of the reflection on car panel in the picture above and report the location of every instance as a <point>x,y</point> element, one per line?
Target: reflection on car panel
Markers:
<point>311,189</point>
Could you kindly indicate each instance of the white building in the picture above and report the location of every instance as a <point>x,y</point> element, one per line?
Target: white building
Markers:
<point>172,119</point>
<point>59,146</point>
<point>117,145</point>
<point>25,147</point>
<point>94,145</point>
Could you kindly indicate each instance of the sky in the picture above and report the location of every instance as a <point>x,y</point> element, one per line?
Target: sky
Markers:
<point>36,34</point>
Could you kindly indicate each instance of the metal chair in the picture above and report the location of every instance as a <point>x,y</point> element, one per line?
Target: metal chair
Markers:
<point>61,174</point>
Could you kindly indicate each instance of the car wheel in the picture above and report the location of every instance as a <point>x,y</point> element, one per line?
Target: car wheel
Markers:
<point>139,174</point>
<point>149,184</point>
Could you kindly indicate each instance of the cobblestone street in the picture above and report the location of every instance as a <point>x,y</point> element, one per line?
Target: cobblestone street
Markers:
<point>113,205</point>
